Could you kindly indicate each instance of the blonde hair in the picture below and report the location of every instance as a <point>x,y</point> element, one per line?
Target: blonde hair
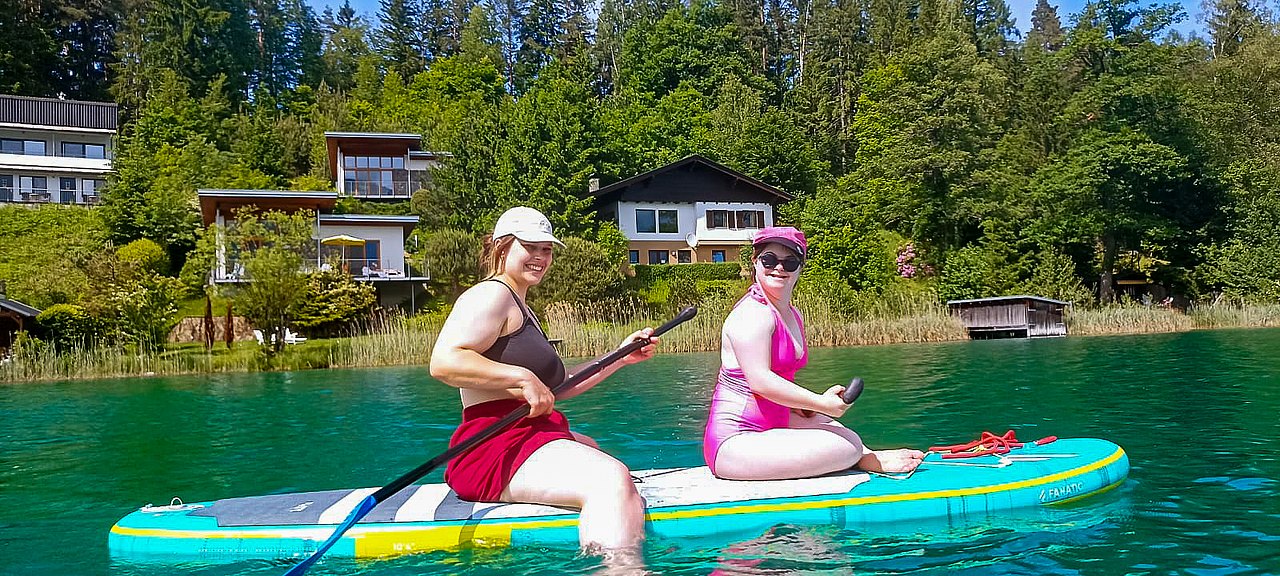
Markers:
<point>495,251</point>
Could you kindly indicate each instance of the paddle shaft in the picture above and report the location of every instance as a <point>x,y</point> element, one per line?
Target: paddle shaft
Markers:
<point>367,505</point>
<point>590,369</point>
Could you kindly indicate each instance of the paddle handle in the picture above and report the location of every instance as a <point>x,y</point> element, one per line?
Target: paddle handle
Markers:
<point>586,371</point>
<point>852,391</point>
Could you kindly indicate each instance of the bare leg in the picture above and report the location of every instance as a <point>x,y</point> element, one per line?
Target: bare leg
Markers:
<point>784,453</point>
<point>568,473</point>
<point>903,460</point>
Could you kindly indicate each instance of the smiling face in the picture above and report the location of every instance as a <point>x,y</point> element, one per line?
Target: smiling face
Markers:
<point>527,262</point>
<point>777,278</point>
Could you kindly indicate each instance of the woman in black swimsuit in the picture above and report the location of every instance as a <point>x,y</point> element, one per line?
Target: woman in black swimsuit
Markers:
<point>492,349</point>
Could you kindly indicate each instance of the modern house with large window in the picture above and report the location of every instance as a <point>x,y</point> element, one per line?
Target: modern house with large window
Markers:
<point>368,247</point>
<point>54,150</point>
<point>378,165</point>
<point>692,210</point>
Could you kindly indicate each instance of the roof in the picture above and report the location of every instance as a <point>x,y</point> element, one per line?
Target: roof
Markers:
<point>18,308</point>
<point>31,111</point>
<point>212,200</point>
<point>999,299</point>
<point>406,222</point>
<point>687,161</point>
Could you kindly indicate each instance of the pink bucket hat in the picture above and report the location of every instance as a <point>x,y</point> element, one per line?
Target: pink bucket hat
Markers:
<point>784,235</point>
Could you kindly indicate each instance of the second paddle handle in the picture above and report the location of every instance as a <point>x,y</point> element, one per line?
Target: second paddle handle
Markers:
<point>852,391</point>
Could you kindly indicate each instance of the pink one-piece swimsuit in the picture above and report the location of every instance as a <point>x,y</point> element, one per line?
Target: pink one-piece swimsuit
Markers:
<point>734,407</point>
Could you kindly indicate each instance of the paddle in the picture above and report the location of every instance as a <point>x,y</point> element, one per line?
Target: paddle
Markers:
<point>588,370</point>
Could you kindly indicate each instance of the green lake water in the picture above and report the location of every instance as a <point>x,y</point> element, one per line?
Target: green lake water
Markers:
<point>1197,413</point>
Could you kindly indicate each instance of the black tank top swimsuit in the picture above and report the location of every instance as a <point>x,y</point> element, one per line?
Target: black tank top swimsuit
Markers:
<point>527,347</point>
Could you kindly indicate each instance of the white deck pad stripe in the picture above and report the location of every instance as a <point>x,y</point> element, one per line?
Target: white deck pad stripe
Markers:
<point>341,509</point>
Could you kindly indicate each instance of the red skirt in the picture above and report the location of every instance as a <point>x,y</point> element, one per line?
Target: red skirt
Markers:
<point>483,472</point>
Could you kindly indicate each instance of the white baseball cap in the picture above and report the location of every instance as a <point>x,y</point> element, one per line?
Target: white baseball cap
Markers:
<point>526,224</point>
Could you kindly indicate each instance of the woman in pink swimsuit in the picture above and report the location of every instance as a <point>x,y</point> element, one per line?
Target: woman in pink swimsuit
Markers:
<point>764,426</point>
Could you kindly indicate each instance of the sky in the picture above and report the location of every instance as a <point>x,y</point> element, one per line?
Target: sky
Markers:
<point>1021,11</point>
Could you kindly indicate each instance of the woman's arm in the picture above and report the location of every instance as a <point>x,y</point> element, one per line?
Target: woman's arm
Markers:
<point>640,355</point>
<point>748,331</point>
<point>474,325</point>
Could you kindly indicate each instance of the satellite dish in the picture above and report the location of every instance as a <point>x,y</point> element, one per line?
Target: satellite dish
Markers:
<point>691,239</point>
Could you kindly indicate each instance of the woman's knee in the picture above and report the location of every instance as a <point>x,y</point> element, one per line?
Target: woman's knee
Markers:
<point>611,480</point>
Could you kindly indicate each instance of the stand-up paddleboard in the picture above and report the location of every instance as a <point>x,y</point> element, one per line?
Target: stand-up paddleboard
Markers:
<point>681,503</point>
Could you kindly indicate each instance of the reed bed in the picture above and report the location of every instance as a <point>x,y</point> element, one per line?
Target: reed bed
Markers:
<point>388,341</point>
<point>596,328</point>
<point>1126,319</point>
<point>1222,315</point>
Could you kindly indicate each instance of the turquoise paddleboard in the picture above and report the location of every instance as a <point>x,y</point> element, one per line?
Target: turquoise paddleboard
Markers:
<point>681,502</point>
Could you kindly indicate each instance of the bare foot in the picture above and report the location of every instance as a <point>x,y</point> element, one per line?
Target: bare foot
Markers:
<point>892,461</point>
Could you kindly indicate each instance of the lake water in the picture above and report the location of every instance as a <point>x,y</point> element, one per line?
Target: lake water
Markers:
<point>1197,413</point>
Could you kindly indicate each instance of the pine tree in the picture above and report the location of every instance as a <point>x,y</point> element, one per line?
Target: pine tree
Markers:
<point>398,38</point>
<point>344,45</point>
<point>200,40</point>
<point>540,31</point>
<point>86,35</point>
<point>1046,29</point>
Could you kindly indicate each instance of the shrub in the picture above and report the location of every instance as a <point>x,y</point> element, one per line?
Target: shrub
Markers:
<point>68,326</point>
<point>144,256</point>
<point>333,301</point>
<point>582,272</point>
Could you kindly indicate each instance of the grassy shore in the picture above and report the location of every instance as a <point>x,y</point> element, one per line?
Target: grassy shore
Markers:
<point>595,329</point>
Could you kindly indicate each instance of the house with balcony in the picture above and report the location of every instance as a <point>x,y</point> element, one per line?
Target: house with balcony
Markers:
<point>370,248</point>
<point>692,210</point>
<point>378,165</point>
<point>54,151</point>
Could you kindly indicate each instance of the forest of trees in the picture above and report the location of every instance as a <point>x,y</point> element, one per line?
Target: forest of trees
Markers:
<point>1098,144</point>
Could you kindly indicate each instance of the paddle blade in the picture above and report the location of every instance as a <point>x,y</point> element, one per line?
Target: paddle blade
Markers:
<point>359,512</point>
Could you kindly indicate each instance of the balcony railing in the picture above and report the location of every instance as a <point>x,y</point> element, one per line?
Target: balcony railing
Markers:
<point>362,268</point>
<point>39,196</point>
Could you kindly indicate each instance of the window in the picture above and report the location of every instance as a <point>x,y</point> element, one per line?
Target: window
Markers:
<point>6,188</point>
<point>718,219</point>
<point>82,150</point>
<point>633,256</point>
<point>33,189</point>
<point>28,147</point>
<point>717,255</point>
<point>750,219</point>
<point>376,176</point>
<point>665,221</point>
<point>684,256</point>
<point>658,256</point>
<point>67,190</point>
<point>646,221</point>
<point>668,221</point>
<point>91,188</point>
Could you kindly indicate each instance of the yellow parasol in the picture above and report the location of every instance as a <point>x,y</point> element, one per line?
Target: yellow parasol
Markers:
<point>342,240</point>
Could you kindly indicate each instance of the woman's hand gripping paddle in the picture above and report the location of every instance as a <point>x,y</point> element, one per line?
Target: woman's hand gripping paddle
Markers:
<point>590,369</point>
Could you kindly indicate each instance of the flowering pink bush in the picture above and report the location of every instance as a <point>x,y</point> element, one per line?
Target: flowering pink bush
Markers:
<point>908,266</point>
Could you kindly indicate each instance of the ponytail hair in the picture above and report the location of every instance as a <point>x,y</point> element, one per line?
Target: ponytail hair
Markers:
<point>494,252</point>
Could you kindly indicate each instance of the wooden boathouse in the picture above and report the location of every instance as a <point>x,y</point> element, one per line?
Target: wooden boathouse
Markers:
<point>1010,317</point>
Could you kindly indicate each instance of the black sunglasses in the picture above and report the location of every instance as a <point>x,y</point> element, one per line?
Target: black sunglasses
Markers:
<point>790,263</point>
